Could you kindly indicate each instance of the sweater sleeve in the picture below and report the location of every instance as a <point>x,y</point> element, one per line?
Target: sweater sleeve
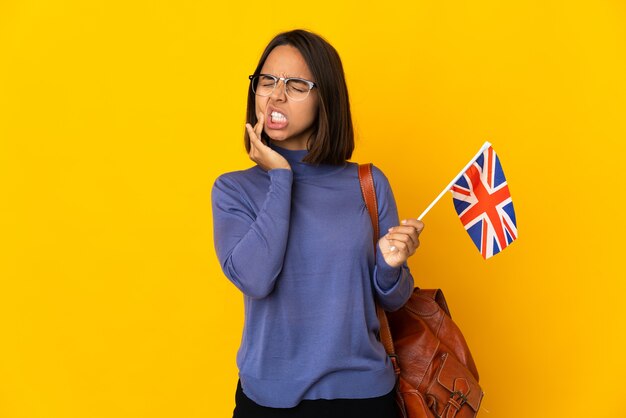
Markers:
<point>251,246</point>
<point>393,285</point>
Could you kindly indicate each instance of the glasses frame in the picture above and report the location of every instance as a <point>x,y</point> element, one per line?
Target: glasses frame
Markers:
<point>285,80</point>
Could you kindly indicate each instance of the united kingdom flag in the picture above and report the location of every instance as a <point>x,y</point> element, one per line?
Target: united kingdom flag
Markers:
<point>482,199</point>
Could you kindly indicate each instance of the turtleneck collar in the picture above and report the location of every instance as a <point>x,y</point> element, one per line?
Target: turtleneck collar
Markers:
<point>302,169</point>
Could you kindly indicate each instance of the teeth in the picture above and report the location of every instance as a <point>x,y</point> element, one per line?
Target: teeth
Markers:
<point>277,116</point>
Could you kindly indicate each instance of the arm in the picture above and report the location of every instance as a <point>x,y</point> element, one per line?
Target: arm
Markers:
<point>249,246</point>
<point>393,284</point>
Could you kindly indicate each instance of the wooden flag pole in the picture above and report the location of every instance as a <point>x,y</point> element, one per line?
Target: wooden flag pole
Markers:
<point>454,180</point>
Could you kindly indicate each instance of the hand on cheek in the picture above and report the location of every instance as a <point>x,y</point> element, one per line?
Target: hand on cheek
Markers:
<point>260,153</point>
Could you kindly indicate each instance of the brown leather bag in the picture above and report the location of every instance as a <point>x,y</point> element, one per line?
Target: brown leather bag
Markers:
<point>436,375</point>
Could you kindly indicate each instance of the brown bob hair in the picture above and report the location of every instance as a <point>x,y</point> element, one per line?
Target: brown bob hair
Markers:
<point>332,141</point>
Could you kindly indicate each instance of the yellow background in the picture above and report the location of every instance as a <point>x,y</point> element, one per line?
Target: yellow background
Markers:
<point>116,117</point>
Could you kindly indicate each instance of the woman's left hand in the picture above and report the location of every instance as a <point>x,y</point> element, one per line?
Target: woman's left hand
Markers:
<point>401,242</point>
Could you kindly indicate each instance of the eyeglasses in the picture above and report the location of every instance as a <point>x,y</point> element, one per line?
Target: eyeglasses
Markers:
<point>296,88</point>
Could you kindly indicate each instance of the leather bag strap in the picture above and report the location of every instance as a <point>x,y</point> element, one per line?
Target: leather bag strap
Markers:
<point>369,195</point>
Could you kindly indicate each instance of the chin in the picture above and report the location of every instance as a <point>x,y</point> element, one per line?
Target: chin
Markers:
<point>280,136</point>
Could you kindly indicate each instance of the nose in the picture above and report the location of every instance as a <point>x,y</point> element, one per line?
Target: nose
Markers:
<point>279,93</point>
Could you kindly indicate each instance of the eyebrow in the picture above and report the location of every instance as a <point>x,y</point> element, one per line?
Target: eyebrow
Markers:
<point>286,75</point>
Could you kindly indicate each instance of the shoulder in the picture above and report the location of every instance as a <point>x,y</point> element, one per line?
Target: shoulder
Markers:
<point>381,182</point>
<point>239,180</point>
<point>240,177</point>
<point>379,175</point>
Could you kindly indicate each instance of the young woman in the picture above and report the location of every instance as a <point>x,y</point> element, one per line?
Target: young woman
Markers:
<point>294,235</point>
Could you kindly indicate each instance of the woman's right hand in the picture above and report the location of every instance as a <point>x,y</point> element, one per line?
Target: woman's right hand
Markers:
<point>260,153</point>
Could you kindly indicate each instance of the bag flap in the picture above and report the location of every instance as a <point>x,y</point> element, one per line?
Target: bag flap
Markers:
<point>455,377</point>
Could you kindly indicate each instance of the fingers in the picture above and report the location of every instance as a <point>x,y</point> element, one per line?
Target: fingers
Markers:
<point>251,134</point>
<point>408,226</point>
<point>402,242</point>
<point>406,235</point>
<point>399,245</point>
<point>255,133</point>
<point>258,129</point>
<point>254,143</point>
<point>418,225</point>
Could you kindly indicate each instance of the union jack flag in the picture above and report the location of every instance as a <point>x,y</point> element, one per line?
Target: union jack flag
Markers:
<point>482,199</point>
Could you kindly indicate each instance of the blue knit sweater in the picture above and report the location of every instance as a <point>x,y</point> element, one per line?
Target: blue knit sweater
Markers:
<point>298,244</point>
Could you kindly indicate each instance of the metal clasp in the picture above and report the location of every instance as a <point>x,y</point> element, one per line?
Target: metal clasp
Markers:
<point>461,396</point>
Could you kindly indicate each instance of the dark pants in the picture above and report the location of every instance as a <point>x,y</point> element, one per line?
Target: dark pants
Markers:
<point>380,407</point>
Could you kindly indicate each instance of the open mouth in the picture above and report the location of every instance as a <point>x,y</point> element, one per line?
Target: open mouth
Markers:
<point>276,120</point>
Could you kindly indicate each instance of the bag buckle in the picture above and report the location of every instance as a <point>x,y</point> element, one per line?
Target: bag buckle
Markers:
<point>460,400</point>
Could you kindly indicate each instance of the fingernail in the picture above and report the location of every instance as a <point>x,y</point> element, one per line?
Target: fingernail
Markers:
<point>390,229</point>
<point>403,221</point>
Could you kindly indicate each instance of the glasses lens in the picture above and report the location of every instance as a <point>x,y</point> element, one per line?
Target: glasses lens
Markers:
<point>297,89</point>
<point>263,85</point>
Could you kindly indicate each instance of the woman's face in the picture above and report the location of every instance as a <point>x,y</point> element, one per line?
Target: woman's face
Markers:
<point>297,126</point>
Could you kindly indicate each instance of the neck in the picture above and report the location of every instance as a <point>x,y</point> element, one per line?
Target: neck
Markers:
<point>302,169</point>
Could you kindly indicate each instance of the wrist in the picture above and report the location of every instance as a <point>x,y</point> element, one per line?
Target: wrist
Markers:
<point>287,166</point>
